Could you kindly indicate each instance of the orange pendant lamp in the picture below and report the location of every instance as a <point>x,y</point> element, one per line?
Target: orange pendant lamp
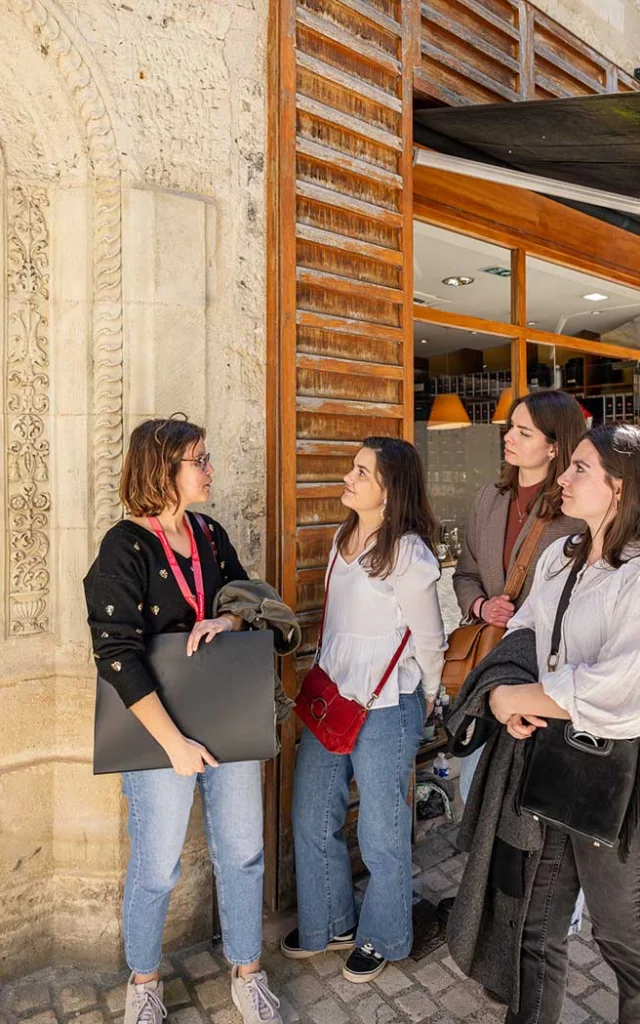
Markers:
<point>448,413</point>
<point>505,402</point>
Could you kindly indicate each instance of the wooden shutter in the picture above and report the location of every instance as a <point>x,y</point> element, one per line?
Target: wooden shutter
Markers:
<point>342,228</point>
<point>489,51</point>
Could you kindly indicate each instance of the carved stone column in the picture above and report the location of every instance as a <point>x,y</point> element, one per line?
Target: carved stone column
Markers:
<point>27,493</point>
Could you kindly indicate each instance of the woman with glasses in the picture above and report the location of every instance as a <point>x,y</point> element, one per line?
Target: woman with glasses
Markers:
<point>158,571</point>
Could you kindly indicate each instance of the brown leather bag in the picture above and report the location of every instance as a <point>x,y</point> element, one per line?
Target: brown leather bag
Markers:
<point>468,645</point>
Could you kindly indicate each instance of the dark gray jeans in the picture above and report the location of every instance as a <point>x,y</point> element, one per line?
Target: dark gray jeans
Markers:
<point>612,894</point>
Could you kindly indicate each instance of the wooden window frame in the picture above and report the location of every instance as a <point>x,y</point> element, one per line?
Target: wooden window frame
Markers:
<point>517,331</point>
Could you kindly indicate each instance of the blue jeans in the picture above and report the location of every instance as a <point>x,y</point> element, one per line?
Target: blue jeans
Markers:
<point>381,761</point>
<point>159,807</point>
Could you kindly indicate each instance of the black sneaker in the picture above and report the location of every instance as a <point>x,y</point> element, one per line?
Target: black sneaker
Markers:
<point>291,948</point>
<point>364,964</point>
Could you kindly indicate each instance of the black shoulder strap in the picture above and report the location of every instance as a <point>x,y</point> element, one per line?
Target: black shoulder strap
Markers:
<point>563,604</point>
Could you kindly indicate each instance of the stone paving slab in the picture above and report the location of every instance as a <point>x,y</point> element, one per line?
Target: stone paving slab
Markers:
<point>313,991</point>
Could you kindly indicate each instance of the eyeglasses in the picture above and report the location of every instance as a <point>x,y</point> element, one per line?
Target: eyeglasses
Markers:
<point>202,462</point>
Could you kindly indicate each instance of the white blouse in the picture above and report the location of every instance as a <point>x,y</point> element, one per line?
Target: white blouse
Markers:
<point>366,619</point>
<point>597,680</point>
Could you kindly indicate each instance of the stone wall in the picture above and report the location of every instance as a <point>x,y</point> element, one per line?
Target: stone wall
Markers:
<point>132,274</point>
<point>612,27</point>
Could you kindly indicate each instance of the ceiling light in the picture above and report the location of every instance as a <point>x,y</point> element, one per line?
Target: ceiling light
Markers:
<point>423,341</point>
<point>596,312</point>
<point>457,282</point>
<point>595,297</point>
<point>447,413</point>
<point>531,323</point>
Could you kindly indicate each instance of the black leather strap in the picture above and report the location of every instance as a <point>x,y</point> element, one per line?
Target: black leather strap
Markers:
<point>563,604</point>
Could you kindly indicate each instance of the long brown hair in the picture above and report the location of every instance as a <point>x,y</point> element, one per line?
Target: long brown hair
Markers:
<point>618,448</point>
<point>401,472</point>
<point>148,481</point>
<point>561,420</point>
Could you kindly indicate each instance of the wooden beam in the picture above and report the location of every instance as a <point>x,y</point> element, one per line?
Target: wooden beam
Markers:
<point>515,217</point>
<point>427,315</point>
<point>519,287</point>
<point>406,209</point>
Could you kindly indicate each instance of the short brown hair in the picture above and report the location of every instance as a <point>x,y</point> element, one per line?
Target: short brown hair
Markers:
<point>562,422</point>
<point>148,481</point>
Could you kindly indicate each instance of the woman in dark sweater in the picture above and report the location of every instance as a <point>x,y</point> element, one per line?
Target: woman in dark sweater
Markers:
<point>158,572</point>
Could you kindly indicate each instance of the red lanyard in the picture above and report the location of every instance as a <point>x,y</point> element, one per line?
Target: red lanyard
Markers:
<point>197,602</point>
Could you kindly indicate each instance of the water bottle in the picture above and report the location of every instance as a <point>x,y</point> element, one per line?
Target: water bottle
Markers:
<point>441,767</point>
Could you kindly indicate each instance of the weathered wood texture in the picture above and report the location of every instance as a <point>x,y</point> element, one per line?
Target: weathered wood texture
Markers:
<point>345,286</point>
<point>489,51</point>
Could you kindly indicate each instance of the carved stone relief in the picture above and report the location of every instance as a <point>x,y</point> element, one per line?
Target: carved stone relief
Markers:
<point>53,32</point>
<point>27,407</point>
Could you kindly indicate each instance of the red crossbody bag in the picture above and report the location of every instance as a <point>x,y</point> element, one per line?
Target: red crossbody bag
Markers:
<point>333,719</point>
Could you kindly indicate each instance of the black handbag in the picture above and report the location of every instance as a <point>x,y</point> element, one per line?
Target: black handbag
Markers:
<point>222,696</point>
<point>579,783</point>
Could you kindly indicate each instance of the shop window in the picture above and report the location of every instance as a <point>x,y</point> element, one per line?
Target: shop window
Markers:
<point>471,370</point>
<point>607,388</point>
<point>565,301</point>
<point>459,274</point>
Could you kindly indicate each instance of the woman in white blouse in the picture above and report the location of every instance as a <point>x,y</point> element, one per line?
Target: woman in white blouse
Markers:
<point>384,580</point>
<point>597,686</point>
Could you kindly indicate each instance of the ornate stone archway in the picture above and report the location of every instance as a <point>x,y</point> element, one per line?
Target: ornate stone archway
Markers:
<point>62,342</point>
<point>170,188</point>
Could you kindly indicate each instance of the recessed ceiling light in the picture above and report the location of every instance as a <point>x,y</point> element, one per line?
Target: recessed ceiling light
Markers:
<point>457,282</point>
<point>531,323</point>
<point>595,297</point>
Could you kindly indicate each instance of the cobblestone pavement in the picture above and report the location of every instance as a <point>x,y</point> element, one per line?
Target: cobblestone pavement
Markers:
<point>313,991</point>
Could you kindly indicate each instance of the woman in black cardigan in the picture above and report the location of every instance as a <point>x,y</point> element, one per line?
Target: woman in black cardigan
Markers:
<point>158,572</point>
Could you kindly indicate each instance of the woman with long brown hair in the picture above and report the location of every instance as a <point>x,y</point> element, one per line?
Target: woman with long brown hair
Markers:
<point>592,683</point>
<point>543,429</point>
<point>381,582</point>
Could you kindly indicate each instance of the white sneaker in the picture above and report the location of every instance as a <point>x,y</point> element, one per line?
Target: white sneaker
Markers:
<point>254,999</point>
<point>144,1003</point>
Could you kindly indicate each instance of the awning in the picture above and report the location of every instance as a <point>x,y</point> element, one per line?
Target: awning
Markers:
<point>591,141</point>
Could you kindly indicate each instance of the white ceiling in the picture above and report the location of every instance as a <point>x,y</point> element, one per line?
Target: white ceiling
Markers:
<point>555,295</point>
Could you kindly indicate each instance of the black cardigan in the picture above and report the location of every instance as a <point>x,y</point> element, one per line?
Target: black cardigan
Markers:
<point>131,594</point>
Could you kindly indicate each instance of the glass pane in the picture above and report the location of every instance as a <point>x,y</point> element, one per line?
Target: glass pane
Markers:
<point>461,375</point>
<point>608,389</point>
<point>459,274</point>
<point>566,301</point>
